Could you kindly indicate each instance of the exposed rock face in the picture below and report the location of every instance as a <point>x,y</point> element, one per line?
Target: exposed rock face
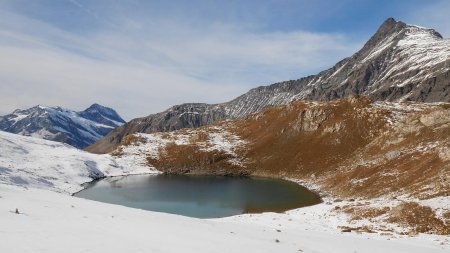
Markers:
<point>79,129</point>
<point>180,116</point>
<point>400,62</point>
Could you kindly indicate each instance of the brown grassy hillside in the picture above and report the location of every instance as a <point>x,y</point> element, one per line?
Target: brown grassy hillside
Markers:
<point>351,148</point>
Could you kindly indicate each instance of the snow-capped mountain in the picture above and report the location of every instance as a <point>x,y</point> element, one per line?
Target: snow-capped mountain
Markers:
<point>79,129</point>
<point>400,62</point>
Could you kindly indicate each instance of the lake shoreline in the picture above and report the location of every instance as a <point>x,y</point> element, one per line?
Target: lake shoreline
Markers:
<point>250,194</point>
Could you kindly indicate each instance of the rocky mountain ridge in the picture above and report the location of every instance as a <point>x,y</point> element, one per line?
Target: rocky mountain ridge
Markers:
<point>79,129</point>
<point>400,62</point>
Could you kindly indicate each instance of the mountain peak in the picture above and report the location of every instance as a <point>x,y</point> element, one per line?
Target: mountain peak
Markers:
<point>97,107</point>
<point>97,112</point>
<point>35,107</point>
<point>389,27</point>
<point>100,109</point>
<point>390,24</point>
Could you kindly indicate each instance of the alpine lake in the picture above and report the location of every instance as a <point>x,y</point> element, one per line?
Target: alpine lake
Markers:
<point>200,196</point>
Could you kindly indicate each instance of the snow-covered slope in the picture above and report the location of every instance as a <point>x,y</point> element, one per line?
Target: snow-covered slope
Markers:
<point>42,220</point>
<point>50,222</point>
<point>79,129</point>
<point>400,62</point>
<point>37,163</point>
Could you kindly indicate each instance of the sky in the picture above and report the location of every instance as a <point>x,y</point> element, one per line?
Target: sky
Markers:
<point>141,56</point>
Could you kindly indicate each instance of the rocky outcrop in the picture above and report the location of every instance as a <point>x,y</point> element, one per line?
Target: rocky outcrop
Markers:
<point>400,62</point>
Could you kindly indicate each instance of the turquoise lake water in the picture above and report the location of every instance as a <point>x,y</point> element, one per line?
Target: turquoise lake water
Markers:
<point>200,196</point>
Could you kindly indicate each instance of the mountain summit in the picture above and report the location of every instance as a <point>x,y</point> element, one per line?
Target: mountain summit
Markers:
<point>102,114</point>
<point>79,129</point>
<point>400,62</point>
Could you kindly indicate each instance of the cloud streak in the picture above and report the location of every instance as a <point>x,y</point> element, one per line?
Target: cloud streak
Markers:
<point>145,66</point>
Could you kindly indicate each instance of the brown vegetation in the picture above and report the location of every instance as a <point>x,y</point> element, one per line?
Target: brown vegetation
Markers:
<point>421,219</point>
<point>132,139</point>
<point>348,147</point>
<point>362,229</point>
<point>191,159</point>
<point>128,140</point>
<point>360,213</point>
<point>199,136</point>
<point>118,152</point>
<point>446,216</point>
<point>301,140</point>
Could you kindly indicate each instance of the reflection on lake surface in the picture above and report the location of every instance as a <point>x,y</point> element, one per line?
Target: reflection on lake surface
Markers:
<point>200,196</point>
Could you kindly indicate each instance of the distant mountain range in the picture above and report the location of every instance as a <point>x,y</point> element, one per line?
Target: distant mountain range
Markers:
<point>400,62</point>
<point>79,129</point>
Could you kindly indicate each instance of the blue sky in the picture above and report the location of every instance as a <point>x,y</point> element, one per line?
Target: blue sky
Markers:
<point>141,57</point>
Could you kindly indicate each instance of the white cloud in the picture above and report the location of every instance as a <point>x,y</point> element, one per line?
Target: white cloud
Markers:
<point>141,69</point>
